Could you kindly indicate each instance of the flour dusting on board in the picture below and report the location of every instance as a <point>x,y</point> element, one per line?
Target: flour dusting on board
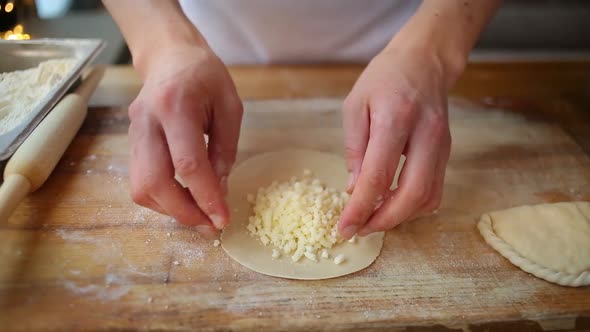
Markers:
<point>106,293</point>
<point>186,253</point>
<point>77,236</point>
<point>158,248</point>
<point>170,246</point>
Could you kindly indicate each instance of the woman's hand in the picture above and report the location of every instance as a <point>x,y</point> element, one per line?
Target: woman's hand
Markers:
<point>187,94</point>
<point>397,106</point>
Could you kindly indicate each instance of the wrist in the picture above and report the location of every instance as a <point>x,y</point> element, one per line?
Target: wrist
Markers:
<point>147,51</point>
<point>441,32</point>
<point>443,58</point>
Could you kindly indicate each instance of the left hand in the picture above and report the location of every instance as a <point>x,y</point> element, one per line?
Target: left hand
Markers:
<point>397,106</point>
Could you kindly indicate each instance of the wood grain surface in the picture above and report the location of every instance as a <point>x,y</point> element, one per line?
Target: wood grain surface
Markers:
<point>78,255</point>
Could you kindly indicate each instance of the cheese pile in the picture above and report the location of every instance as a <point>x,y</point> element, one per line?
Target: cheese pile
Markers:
<point>297,217</point>
<point>22,90</point>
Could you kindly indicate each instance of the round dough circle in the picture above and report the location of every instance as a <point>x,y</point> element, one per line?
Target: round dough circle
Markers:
<point>261,171</point>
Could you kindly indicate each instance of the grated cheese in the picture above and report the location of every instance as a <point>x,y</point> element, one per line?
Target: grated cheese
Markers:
<point>297,217</point>
<point>276,254</point>
<point>339,259</point>
<point>216,243</point>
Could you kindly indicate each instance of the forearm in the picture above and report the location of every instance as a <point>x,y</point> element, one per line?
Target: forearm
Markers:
<point>448,28</point>
<point>148,25</point>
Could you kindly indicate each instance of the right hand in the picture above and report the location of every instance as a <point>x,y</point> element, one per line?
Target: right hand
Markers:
<point>187,93</point>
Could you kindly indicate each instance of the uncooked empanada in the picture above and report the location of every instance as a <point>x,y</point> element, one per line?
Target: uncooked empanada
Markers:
<point>550,241</point>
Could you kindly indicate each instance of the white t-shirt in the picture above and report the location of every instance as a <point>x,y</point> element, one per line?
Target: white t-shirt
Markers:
<point>298,31</point>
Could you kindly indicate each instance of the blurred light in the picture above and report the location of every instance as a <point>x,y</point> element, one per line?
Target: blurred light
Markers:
<point>16,34</point>
<point>9,7</point>
<point>0,8</point>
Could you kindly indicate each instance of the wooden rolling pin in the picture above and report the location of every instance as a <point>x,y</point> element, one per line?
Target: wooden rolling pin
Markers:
<point>35,159</point>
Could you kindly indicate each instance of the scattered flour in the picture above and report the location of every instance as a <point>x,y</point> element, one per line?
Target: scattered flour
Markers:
<point>122,270</point>
<point>118,168</point>
<point>77,236</point>
<point>186,253</point>
<point>99,292</point>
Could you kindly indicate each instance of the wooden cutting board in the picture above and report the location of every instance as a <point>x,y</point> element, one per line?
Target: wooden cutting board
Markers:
<point>79,255</point>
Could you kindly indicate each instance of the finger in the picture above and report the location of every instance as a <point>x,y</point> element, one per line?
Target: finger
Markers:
<point>156,207</point>
<point>140,175</point>
<point>355,121</point>
<point>389,132</point>
<point>436,192</point>
<point>415,180</point>
<point>181,206</point>
<point>189,157</point>
<point>137,136</point>
<point>152,178</point>
<point>223,138</point>
<point>433,200</point>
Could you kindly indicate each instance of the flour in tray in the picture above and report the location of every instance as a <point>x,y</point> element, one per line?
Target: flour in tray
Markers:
<point>21,91</point>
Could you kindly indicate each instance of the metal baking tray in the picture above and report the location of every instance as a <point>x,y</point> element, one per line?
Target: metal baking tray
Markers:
<point>19,55</point>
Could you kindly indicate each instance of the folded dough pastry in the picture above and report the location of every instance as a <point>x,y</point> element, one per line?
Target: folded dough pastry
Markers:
<point>549,241</point>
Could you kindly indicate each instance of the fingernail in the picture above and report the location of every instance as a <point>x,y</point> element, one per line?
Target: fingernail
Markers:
<point>378,202</point>
<point>363,232</point>
<point>349,231</point>
<point>350,182</point>
<point>217,221</point>
<point>223,184</point>
<point>221,168</point>
<point>207,231</point>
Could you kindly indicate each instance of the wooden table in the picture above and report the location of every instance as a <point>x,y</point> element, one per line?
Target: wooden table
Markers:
<point>79,255</point>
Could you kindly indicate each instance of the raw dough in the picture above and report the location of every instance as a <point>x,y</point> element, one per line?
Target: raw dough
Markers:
<point>261,171</point>
<point>550,241</point>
